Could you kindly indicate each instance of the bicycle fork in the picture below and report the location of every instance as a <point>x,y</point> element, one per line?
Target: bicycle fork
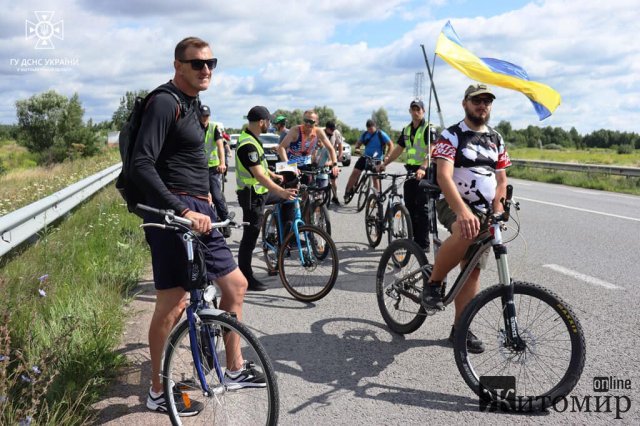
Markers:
<point>512,334</point>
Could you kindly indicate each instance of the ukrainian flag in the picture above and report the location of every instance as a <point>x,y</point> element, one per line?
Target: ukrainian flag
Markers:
<point>496,72</point>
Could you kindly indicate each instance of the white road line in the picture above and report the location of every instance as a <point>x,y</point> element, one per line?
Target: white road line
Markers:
<point>578,208</point>
<point>582,277</point>
<point>608,194</point>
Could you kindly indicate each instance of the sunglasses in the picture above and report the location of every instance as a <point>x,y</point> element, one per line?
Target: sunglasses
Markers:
<point>309,121</point>
<point>198,64</point>
<point>478,101</point>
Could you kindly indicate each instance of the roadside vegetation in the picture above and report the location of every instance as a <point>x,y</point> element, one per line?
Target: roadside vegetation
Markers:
<point>61,313</point>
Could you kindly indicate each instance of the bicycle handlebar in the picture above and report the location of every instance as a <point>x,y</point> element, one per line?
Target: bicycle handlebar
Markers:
<point>170,217</point>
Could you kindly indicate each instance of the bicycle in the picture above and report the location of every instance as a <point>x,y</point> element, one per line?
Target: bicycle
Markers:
<point>363,185</point>
<point>394,220</point>
<point>524,326</point>
<point>208,341</point>
<point>306,258</point>
<point>316,197</point>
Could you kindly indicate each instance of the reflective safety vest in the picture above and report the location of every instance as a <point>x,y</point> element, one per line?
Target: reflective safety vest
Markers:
<point>244,178</point>
<point>210,145</point>
<point>416,151</point>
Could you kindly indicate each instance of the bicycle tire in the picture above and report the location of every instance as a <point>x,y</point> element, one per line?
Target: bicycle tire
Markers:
<point>400,226</point>
<point>348,196</point>
<point>394,285</point>
<point>373,221</point>
<point>318,215</point>
<point>270,240</point>
<point>536,351</point>
<point>314,279</point>
<point>248,406</point>
<point>365,190</point>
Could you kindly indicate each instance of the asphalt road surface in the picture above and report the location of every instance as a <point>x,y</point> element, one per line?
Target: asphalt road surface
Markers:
<point>338,363</point>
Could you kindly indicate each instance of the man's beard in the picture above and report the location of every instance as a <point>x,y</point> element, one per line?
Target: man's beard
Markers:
<point>476,119</point>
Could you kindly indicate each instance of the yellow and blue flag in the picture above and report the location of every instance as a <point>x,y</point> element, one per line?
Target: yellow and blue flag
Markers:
<point>495,72</point>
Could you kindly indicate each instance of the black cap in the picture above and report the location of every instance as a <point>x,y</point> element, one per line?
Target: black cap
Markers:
<point>417,102</point>
<point>371,123</point>
<point>258,113</point>
<point>204,110</point>
<point>330,125</point>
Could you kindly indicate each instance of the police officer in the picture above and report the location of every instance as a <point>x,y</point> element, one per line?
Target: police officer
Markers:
<point>256,188</point>
<point>214,147</point>
<point>414,139</point>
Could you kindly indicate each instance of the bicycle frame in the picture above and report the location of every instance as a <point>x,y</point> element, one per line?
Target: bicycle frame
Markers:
<point>295,226</point>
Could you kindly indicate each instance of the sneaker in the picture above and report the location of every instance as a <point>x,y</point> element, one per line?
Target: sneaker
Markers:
<point>474,345</point>
<point>432,297</point>
<point>256,285</point>
<point>248,377</point>
<point>335,201</point>
<point>186,407</point>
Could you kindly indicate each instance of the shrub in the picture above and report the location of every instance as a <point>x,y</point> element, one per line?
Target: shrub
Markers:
<point>625,149</point>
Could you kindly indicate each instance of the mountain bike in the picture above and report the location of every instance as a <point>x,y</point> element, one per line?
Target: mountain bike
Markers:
<point>529,332</point>
<point>207,342</point>
<point>363,185</point>
<point>306,258</point>
<point>394,220</point>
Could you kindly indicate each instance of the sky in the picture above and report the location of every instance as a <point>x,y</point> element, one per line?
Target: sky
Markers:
<point>353,56</point>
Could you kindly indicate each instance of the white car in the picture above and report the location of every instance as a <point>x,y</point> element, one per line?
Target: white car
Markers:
<point>346,154</point>
<point>234,140</point>
<point>270,142</point>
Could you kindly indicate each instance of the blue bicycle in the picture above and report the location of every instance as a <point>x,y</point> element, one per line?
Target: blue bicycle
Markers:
<point>306,258</point>
<point>207,343</point>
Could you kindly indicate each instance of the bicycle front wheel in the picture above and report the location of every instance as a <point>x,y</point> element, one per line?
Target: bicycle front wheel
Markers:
<point>365,190</point>
<point>373,221</point>
<point>270,240</point>
<point>546,362</point>
<point>223,343</point>
<point>308,270</point>
<point>399,286</point>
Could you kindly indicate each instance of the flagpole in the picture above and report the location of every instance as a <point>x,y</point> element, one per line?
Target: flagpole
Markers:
<point>433,87</point>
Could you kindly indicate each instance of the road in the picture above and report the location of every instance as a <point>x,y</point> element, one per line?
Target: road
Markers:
<point>337,363</point>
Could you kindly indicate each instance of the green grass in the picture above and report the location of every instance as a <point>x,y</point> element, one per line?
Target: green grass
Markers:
<point>92,260</point>
<point>22,186</point>
<point>586,156</point>
<point>14,156</point>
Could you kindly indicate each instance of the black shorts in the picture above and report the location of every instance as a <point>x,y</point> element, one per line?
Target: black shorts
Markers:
<point>362,163</point>
<point>169,254</point>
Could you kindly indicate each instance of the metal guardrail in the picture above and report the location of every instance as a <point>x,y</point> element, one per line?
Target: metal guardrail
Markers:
<point>18,226</point>
<point>583,168</point>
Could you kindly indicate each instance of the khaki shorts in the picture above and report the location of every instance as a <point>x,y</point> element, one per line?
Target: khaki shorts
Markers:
<point>447,218</point>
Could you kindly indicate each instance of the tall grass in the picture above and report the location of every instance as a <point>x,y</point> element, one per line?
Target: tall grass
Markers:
<point>581,156</point>
<point>20,187</point>
<point>64,294</point>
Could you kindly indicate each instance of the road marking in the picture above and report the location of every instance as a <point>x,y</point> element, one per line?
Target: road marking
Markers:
<point>578,208</point>
<point>608,194</point>
<point>582,277</point>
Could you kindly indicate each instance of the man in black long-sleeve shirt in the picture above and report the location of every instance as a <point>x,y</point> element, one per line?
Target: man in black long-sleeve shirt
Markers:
<point>170,167</point>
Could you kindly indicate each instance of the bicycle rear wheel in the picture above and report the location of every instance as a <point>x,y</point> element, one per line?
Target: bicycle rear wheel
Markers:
<point>270,240</point>
<point>244,406</point>
<point>373,221</point>
<point>400,226</point>
<point>319,216</point>
<point>308,271</point>
<point>399,286</point>
<point>548,362</point>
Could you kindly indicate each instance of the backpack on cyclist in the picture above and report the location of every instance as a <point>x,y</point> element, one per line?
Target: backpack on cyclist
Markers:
<point>127,139</point>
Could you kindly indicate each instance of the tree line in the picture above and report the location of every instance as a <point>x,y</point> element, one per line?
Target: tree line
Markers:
<point>51,125</point>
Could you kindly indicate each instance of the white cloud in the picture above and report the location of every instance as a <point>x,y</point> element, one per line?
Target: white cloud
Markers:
<point>290,54</point>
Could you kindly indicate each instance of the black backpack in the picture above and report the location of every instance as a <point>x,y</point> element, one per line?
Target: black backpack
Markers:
<point>127,139</point>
